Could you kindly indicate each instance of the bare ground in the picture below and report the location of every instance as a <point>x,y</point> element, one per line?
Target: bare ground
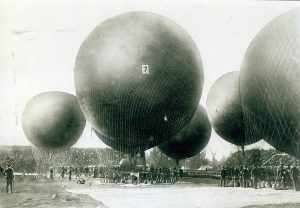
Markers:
<point>39,193</point>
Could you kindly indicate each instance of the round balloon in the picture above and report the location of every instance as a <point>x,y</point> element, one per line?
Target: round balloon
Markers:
<point>190,140</point>
<point>269,84</point>
<point>138,78</point>
<point>53,120</point>
<point>125,164</point>
<point>224,109</point>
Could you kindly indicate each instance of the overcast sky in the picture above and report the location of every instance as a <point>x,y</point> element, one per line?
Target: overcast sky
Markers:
<point>39,43</point>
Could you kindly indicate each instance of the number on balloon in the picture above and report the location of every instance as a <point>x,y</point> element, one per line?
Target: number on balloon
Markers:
<point>145,69</point>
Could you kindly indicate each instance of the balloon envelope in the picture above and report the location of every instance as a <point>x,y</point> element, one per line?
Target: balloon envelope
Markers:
<point>190,140</point>
<point>118,145</point>
<point>53,120</point>
<point>138,78</point>
<point>225,111</point>
<point>269,83</point>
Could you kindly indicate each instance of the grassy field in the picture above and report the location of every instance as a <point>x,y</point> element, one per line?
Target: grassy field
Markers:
<point>38,193</point>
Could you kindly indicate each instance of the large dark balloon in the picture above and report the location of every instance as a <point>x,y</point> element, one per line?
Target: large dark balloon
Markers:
<point>53,120</point>
<point>138,78</point>
<point>225,111</point>
<point>117,145</point>
<point>191,139</point>
<point>270,87</point>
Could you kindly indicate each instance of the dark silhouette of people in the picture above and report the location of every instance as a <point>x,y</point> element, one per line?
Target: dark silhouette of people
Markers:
<point>180,174</point>
<point>223,176</point>
<point>96,172</point>
<point>70,173</point>
<point>86,169</point>
<point>51,173</point>
<point>63,171</point>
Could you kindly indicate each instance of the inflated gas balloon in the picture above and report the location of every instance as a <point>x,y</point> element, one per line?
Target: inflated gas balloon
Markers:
<point>125,164</point>
<point>138,78</point>
<point>269,84</point>
<point>119,146</point>
<point>190,140</point>
<point>53,120</point>
<point>224,109</point>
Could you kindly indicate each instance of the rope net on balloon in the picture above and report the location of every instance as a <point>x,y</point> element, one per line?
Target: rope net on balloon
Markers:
<point>269,92</point>
<point>46,159</point>
<point>108,157</point>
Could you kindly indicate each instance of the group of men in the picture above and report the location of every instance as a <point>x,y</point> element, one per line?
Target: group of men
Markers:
<point>162,174</point>
<point>250,177</point>
<point>8,173</point>
<point>77,171</point>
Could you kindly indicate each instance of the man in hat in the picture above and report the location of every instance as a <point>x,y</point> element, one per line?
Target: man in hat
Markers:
<point>9,176</point>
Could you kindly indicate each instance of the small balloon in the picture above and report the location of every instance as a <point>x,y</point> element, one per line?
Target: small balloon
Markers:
<point>53,120</point>
<point>190,140</point>
<point>125,164</point>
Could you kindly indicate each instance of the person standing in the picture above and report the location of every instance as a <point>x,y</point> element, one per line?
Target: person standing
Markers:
<point>86,169</point>
<point>245,176</point>
<point>294,174</point>
<point>254,176</point>
<point>281,175</point>
<point>62,173</point>
<point>241,176</point>
<point>151,174</point>
<point>180,174</point>
<point>96,172</point>
<point>223,176</point>
<point>70,173</point>
<point>1,171</point>
<point>51,173</point>
<point>9,176</point>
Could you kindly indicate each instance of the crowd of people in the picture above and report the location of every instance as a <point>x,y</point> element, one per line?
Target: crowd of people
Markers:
<point>108,175</point>
<point>281,177</point>
<point>162,175</point>
<point>259,176</point>
<point>117,175</point>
